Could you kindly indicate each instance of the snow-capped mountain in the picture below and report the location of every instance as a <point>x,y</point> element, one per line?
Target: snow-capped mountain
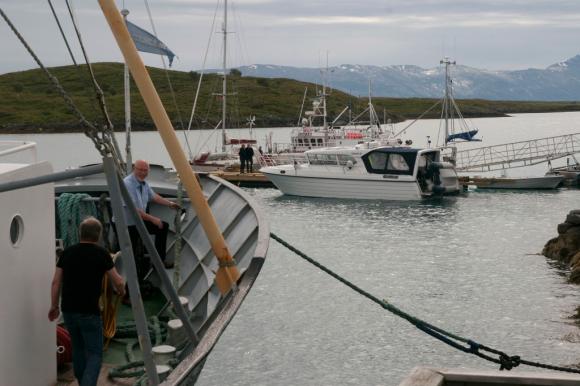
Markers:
<point>560,81</point>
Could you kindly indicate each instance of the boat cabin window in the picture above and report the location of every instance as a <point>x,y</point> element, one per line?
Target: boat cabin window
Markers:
<point>391,161</point>
<point>378,161</point>
<point>322,159</point>
<point>344,158</point>
<point>397,162</point>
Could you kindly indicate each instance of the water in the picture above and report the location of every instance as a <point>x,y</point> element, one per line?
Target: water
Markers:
<point>66,150</point>
<point>468,264</point>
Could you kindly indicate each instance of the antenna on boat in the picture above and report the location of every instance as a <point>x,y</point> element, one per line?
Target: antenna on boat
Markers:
<point>224,84</point>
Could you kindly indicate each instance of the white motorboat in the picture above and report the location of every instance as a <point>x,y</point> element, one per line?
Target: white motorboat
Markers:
<point>368,171</point>
<point>541,182</point>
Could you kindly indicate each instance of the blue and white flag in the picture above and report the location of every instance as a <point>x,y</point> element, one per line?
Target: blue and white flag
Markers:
<point>146,42</point>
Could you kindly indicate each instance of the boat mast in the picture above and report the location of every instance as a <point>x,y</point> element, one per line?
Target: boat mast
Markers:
<point>447,99</point>
<point>227,273</point>
<point>325,123</point>
<point>127,88</point>
<point>224,82</point>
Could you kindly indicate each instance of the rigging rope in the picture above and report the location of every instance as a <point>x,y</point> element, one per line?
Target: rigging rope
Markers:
<point>103,144</point>
<point>468,346</point>
<point>172,92</point>
<point>110,302</point>
<point>107,130</point>
<point>416,119</point>
<point>62,33</point>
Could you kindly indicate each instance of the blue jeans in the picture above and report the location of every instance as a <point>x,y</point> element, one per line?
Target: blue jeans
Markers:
<point>86,333</point>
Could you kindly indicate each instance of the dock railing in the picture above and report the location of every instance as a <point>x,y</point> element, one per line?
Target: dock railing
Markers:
<point>517,154</point>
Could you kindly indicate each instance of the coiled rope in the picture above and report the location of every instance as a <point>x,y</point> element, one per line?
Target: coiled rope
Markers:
<point>72,209</point>
<point>135,368</point>
<point>110,303</point>
<point>469,346</point>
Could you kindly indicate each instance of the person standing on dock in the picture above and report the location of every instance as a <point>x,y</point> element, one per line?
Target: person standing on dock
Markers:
<point>79,271</point>
<point>242,154</point>
<point>142,195</point>
<point>249,159</point>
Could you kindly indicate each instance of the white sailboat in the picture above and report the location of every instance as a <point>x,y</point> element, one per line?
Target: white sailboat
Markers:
<point>228,158</point>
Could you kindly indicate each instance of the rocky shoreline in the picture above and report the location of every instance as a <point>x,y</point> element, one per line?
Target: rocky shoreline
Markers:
<point>565,249</point>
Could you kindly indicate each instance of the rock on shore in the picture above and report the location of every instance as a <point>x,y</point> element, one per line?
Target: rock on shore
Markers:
<point>566,247</point>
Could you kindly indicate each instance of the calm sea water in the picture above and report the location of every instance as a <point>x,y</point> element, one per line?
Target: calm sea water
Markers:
<point>468,264</point>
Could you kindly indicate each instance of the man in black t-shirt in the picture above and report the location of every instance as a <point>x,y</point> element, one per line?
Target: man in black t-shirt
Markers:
<point>79,271</point>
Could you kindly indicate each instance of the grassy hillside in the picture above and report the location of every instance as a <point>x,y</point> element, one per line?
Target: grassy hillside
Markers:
<point>30,103</point>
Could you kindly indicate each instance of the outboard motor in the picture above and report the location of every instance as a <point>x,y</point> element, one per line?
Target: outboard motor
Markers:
<point>434,174</point>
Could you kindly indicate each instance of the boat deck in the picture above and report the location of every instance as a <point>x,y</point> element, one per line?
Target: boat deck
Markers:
<point>66,377</point>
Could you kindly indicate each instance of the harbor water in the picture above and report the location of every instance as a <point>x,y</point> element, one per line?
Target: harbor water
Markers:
<point>468,264</point>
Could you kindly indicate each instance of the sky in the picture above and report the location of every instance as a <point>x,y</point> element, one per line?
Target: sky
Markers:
<point>486,34</point>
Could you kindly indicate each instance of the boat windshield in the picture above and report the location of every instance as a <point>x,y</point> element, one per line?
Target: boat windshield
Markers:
<point>381,161</point>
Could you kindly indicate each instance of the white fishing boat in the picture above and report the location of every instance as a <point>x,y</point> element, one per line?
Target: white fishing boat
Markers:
<point>30,213</point>
<point>314,131</point>
<point>372,171</point>
<point>218,244</point>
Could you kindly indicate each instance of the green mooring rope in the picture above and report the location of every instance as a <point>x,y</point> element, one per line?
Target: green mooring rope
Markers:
<point>469,346</point>
<point>72,210</point>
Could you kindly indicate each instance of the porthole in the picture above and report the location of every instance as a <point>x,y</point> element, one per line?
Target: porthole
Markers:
<point>16,230</point>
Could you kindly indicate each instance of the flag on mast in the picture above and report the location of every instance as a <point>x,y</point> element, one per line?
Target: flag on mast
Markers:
<point>147,42</point>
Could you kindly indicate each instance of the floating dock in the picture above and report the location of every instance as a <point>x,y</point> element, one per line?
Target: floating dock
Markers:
<point>246,180</point>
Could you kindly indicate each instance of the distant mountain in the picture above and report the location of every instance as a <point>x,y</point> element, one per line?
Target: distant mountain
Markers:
<point>558,82</point>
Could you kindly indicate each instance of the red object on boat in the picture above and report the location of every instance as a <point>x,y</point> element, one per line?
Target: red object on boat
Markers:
<point>63,346</point>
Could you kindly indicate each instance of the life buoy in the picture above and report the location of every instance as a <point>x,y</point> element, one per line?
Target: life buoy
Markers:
<point>63,346</point>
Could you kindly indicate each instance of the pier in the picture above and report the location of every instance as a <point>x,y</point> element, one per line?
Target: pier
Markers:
<point>246,180</point>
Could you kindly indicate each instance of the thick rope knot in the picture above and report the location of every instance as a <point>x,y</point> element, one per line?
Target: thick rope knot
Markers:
<point>507,362</point>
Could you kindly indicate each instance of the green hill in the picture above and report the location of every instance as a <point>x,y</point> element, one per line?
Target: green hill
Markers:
<point>31,104</point>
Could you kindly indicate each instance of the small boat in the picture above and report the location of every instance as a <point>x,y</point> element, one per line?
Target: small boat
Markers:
<point>570,172</point>
<point>542,182</point>
<point>367,171</point>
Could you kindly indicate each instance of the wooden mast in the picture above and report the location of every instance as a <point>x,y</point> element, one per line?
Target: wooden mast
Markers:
<point>228,273</point>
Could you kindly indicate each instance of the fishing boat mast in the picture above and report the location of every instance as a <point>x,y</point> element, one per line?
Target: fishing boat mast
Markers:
<point>447,103</point>
<point>224,81</point>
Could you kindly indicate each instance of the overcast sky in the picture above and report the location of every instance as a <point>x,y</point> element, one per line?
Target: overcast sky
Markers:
<point>490,34</point>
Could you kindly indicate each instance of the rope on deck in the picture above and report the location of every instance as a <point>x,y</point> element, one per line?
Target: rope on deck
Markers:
<point>72,209</point>
<point>506,362</point>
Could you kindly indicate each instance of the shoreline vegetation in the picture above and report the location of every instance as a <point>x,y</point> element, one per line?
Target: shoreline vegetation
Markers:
<point>30,104</point>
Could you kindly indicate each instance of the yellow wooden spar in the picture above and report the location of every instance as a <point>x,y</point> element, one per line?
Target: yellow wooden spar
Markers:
<point>228,273</point>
